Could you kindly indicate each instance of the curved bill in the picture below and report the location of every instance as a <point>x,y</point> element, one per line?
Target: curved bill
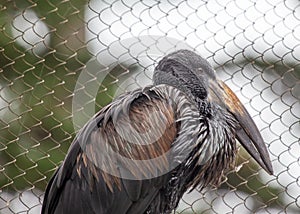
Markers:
<point>247,134</point>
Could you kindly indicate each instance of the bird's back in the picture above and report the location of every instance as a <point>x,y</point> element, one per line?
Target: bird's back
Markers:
<point>98,174</point>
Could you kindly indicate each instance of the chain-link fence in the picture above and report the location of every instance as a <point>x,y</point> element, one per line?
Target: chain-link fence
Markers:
<point>50,50</point>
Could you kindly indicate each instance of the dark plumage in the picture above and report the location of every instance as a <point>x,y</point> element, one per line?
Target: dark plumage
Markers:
<point>186,124</point>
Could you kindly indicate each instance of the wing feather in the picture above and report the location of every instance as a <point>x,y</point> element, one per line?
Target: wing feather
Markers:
<point>88,182</point>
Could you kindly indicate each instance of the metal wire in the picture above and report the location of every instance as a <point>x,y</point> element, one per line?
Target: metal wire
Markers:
<point>54,54</point>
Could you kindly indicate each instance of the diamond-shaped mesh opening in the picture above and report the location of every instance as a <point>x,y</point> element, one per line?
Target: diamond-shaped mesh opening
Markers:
<point>51,50</point>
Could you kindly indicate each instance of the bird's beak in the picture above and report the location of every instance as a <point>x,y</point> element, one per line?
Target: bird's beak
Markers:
<point>247,134</point>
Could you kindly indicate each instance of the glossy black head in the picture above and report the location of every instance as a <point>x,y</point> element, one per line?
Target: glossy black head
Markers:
<point>185,70</point>
<point>193,75</point>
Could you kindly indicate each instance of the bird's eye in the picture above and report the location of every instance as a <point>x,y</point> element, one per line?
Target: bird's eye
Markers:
<point>200,70</point>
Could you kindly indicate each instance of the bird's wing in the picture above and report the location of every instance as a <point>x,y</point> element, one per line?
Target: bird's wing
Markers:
<point>107,169</point>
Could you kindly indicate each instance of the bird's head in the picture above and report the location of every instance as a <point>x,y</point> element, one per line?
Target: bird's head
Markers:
<point>194,76</point>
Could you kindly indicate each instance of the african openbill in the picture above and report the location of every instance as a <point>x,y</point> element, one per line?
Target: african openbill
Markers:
<point>143,151</point>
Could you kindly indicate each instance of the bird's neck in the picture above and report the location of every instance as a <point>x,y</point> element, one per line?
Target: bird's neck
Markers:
<point>215,151</point>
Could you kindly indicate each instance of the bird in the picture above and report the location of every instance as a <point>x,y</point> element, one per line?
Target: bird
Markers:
<point>144,150</point>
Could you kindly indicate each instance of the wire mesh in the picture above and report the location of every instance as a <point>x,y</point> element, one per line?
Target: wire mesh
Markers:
<point>50,50</point>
